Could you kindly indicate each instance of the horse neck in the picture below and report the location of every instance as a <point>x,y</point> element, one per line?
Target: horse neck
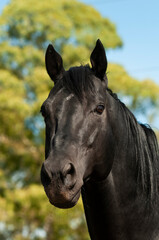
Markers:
<point>117,201</point>
<point>135,165</point>
<point>99,198</point>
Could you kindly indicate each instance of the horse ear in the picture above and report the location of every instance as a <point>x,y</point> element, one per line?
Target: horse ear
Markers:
<point>54,63</point>
<point>98,60</point>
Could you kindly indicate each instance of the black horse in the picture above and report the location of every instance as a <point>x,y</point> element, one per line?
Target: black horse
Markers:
<point>95,146</point>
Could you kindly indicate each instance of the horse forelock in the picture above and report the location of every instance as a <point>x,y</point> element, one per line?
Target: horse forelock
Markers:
<point>79,81</point>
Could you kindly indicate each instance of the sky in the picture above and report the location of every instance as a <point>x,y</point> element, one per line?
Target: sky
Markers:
<point>137,23</point>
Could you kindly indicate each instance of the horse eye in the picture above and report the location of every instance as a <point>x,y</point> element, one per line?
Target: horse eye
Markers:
<point>99,109</point>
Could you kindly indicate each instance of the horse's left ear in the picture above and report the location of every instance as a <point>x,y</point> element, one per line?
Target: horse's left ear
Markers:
<point>98,60</point>
<point>54,63</point>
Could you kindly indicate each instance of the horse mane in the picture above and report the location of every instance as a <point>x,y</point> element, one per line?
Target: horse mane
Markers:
<point>146,149</point>
<point>79,81</point>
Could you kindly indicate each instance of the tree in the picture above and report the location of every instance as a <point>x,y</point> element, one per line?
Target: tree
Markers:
<point>26,28</point>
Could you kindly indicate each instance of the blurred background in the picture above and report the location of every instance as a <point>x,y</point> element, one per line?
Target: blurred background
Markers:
<point>128,30</point>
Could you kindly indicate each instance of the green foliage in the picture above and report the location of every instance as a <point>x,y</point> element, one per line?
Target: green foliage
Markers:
<point>33,214</point>
<point>36,22</point>
<point>142,95</point>
<point>26,28</point>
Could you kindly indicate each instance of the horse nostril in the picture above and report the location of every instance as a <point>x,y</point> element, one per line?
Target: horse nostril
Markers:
<point>68,169</point>
<point>45,179</point>
<point>68,176</point>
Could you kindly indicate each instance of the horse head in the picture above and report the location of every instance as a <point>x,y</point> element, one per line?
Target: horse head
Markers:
<point>79,141</point>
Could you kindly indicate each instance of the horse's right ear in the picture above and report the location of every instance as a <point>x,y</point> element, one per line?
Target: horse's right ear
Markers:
<point>54,63</point>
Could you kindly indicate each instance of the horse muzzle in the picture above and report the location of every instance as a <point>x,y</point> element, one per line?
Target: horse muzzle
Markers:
<point>62,187</point>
